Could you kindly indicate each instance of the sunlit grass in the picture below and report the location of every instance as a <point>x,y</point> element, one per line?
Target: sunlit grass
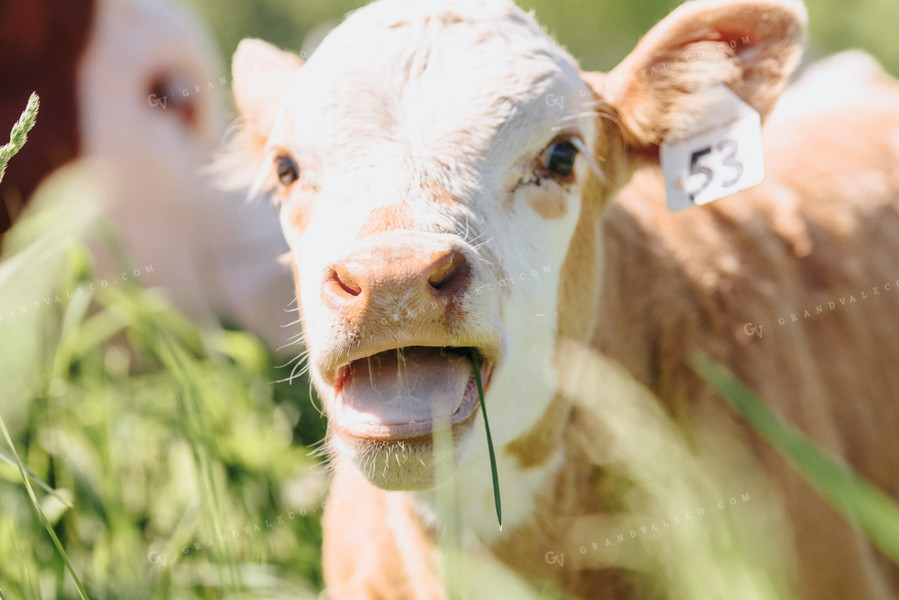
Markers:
<point>666,491</point>
<point>171,465</point>
<point>851,494</point>
<point>26,479</point>
<point>19,133</point>
<point>18,137</point>
<point>496,497</point>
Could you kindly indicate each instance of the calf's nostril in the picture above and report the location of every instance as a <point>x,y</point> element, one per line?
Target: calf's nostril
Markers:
<point>448,269</point>
<point>344,283</point>
<point>441,277</point>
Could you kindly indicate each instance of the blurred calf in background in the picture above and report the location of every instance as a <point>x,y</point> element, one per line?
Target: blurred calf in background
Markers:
<point>133,84</point>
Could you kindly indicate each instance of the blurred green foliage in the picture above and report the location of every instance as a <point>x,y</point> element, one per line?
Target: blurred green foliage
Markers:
<point>597,32</point>
<point>871,509</point>
<point>165,460</point>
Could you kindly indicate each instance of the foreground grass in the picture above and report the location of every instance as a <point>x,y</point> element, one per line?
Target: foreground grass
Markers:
<point>19,133</point>
<point>861,502</point>
<point>161,456</point>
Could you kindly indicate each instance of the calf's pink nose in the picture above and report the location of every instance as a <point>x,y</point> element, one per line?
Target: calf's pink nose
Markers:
<point>394,275</point>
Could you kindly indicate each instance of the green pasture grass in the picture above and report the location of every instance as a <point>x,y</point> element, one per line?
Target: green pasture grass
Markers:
<point>19,133</point>
<point>145,457</point>
<point>861,502</point>
<point>496,498</point>
<point>18,137</point>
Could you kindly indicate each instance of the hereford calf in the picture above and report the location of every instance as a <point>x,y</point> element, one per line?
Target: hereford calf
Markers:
<point>448,180</point>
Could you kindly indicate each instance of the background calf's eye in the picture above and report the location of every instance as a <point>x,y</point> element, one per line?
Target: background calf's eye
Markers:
<point>287,169</point>
<point>558,158</point>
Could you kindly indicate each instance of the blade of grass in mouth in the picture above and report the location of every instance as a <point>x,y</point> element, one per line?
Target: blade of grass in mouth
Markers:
<point>477,377</point>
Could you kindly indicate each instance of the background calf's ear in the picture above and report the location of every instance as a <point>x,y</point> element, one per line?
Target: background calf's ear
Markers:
<point>261,74</point>
<point>752,46</point>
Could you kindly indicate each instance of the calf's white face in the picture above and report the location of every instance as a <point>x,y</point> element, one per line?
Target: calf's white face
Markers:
<point>428,190</point>
<point>431,162</point>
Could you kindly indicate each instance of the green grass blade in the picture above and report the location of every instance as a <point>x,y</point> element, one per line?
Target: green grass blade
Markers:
<point>19,133</point>
<point>859,500</point>
<point>40,513</point>
<point>496,499</point>
<point>46,487</point>
<point>179,364</point>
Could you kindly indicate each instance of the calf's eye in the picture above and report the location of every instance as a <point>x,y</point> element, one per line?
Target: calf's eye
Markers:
<point>287,169</point>
<point>558,158</point>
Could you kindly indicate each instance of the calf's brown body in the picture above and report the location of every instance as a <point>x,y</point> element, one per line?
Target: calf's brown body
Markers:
<point>822,229</point>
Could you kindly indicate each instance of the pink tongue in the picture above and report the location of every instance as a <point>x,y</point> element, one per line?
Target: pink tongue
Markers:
<point>415,385</point>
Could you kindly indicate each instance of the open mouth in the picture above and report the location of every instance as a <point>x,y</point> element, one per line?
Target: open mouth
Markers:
<point>407,392</point>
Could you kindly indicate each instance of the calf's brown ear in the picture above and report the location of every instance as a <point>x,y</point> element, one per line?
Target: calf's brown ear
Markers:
<point>752,46</point>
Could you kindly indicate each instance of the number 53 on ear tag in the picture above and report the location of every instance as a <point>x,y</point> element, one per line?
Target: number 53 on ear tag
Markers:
<point>720,156</point>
